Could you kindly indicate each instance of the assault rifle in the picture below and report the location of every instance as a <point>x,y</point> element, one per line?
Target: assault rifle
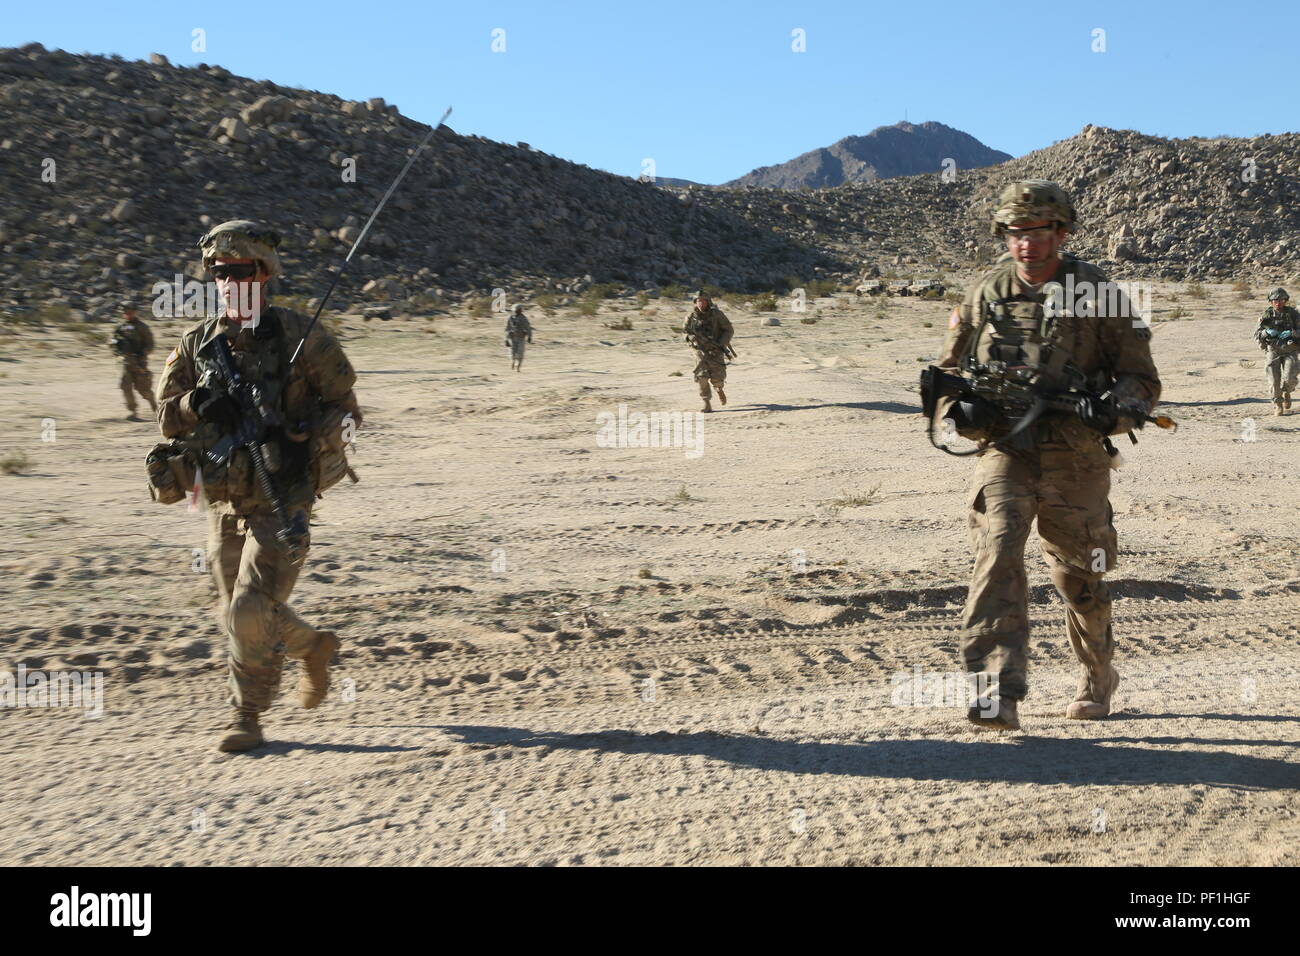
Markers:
<point>257,418</point>
<point>703,342</point>
<point>122,344</point>
<point>1017,398</point>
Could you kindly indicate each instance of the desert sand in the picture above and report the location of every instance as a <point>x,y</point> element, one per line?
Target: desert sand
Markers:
<point>560,653</point>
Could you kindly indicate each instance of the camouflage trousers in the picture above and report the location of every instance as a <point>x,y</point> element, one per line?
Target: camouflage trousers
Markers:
<point>712,367</point>
<point>254,579</point>
<point>136,378</point>
<point>1283,371</point>
<point>1066,489</point>
<point>517,343</point>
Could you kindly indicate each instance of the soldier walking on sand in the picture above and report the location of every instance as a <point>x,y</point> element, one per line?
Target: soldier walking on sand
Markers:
<point>132,343</point>
<point>255,560</point>
<point>518,330</point>
<point>1055,469</point>
<point>1279,335</point>
<point>709,332</point>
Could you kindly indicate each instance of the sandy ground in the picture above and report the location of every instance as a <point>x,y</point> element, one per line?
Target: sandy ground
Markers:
<point>563,653</point>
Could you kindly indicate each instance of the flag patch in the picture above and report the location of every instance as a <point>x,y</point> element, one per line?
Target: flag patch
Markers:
<point>954,319</point>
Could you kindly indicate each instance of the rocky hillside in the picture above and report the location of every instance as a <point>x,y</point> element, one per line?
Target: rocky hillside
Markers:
<point>113,169</point>
<point>903,149</point>
<point>1173,207</point>
<point>1170,208</point>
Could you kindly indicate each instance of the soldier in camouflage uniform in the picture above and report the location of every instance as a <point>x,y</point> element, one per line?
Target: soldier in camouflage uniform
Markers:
<point>132,342</point>
<point>1279,335</point>
<point>709,332</point>
<point>517,330</point>
<point>252,566</point>
<point>1057,470</point>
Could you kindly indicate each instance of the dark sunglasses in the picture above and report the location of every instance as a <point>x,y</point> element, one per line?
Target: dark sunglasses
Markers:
<point>234,270</point>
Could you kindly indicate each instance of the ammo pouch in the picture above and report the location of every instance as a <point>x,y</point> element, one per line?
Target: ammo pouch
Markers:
<point>329,457</point>
<point>171,471</point>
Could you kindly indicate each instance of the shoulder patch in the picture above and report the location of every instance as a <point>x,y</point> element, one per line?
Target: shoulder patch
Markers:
<point>955,319</point>
<point>173,355</point>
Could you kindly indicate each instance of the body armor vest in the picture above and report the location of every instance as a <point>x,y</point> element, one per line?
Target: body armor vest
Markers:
<point>261,358</point>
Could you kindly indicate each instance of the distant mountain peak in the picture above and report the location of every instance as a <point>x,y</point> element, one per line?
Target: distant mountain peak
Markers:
<point>902,149</point>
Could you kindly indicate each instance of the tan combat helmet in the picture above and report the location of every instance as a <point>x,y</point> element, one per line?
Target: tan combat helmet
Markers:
<point>701,294</point>
<point>1031,200</point>
<point>242,239</point>
<point>1279,295</point>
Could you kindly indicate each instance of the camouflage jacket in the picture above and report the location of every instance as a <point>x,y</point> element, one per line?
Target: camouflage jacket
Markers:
<point>133,340</point>
<point>1104,348</point>
<point>320,381</point>
<point>1288,320</point>
<point>712,326</point>
<point>517,325</point>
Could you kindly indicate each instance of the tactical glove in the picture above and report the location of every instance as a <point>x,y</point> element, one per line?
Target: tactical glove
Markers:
<point>1097,414</point>
<point>216,407</point>
<point>976,413</point>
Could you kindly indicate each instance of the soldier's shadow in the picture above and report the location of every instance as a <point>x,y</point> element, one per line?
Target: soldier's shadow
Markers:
<point>1226,401</point>
<point>278,748</point>
<point>896,407</point>
<point>1018,759</point>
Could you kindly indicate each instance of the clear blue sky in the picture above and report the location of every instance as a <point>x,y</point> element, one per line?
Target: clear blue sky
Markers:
<point>710,90</point>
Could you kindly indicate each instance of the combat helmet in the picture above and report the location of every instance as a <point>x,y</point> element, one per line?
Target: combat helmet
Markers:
<point>1278,293</point>
<point>242,239</point>
<point>1031,200</point>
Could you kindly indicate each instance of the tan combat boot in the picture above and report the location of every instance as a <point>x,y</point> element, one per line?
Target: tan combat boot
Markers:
<point>244,733</point>
<point>1092,702</point>
<point>708,406</point>
<point>1005,717</point>
<point>1277,409</point>
<point>315,678</point>
<point>722,397</point>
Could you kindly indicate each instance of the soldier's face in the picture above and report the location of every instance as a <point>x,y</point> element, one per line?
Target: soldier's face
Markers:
<point>241,293</point>
<point>1278,304</point>
<point>1034,243</point>
<point>702,303</point>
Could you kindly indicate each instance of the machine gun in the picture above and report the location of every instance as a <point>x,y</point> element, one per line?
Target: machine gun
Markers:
<point>257,418</point>
<point>1017,398</point>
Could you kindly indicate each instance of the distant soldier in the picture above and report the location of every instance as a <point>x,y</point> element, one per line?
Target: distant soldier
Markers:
<point>132,342</point>
<point>709,332</point>
<point>1279,335</point>
<point>254,558</point>
<point>517,331</point>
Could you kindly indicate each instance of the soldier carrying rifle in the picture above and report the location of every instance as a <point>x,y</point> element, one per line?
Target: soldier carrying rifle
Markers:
<point>709,332</point>
<point>1051,462</point>
<point>265,435</point>
<point>1279,335</point>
